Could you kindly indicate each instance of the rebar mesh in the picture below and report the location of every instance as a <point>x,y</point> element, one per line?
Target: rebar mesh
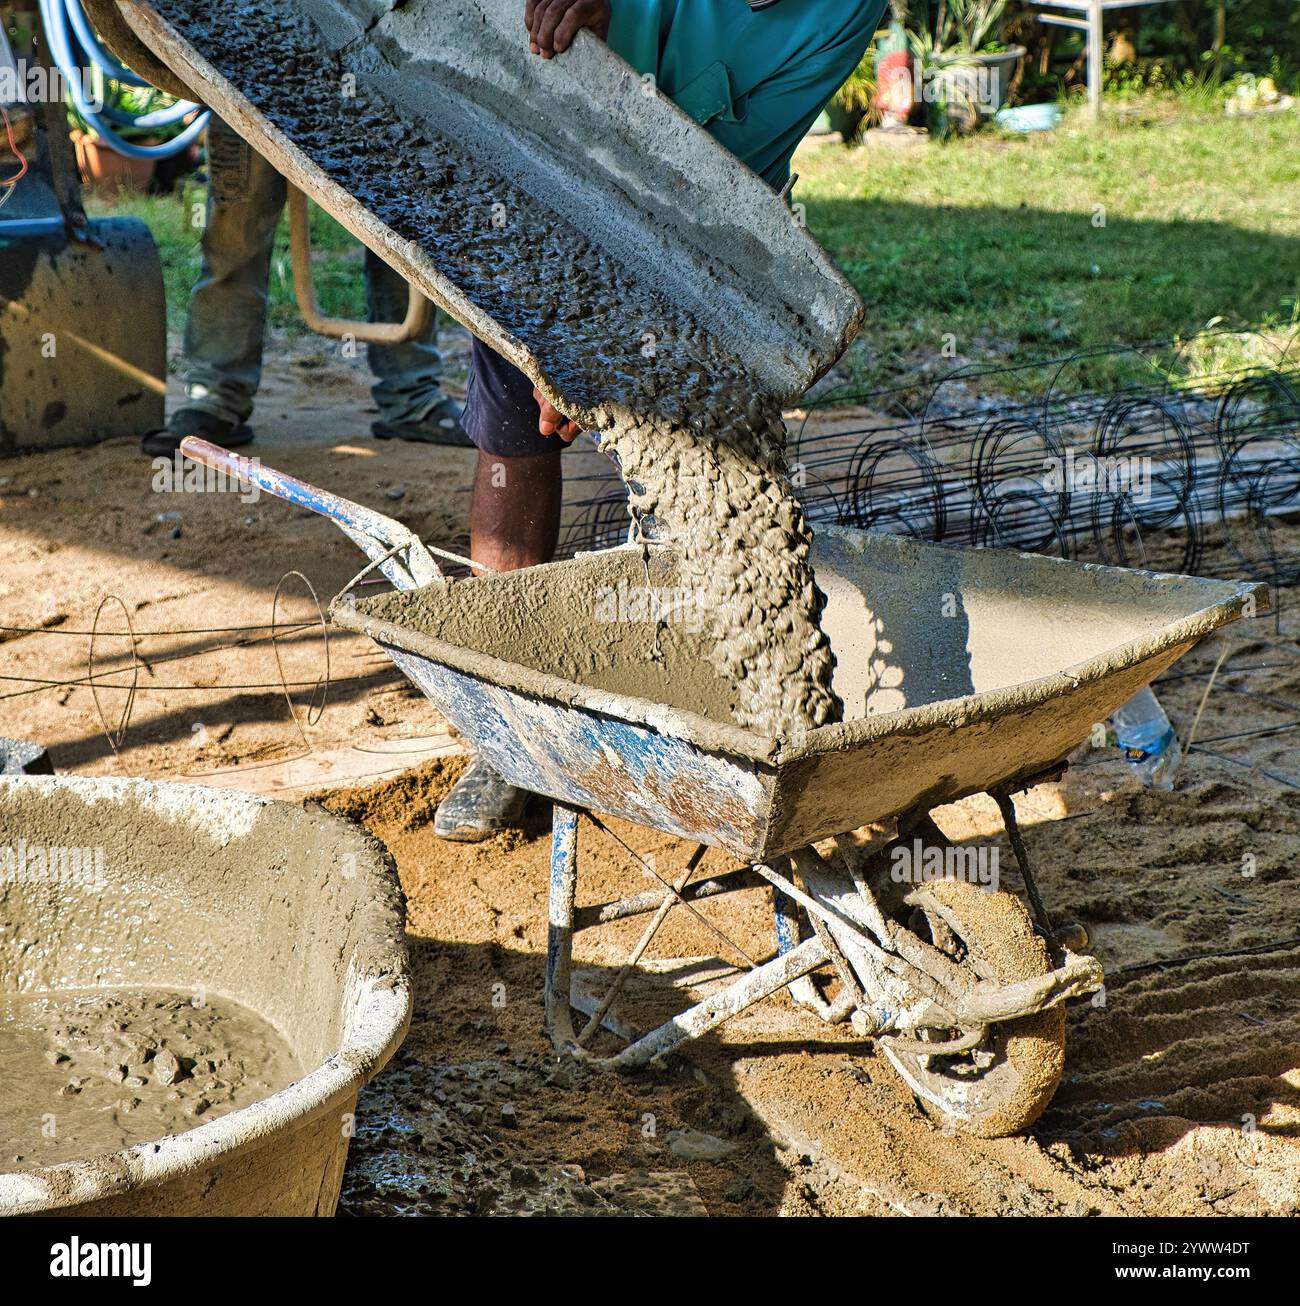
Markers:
<point>1187,468</point>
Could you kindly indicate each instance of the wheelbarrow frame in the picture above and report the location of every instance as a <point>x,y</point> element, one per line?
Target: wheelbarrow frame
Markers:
<point>893,983</point>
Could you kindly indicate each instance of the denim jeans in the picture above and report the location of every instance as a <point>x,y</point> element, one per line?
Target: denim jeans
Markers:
<point>228,307</point>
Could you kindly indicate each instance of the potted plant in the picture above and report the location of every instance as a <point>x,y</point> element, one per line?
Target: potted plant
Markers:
<point>106,171</point>
<point>852,103</point>
<point>966,70</point>
<point>103,169</point>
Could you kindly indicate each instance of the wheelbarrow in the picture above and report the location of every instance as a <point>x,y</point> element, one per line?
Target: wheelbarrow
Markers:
<point>961,671</point>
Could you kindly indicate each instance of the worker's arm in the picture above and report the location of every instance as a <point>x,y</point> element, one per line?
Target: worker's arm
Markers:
<point>552,24</point>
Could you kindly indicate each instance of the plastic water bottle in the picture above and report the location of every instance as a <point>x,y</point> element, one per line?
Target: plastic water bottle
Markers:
<point>1149,742</point>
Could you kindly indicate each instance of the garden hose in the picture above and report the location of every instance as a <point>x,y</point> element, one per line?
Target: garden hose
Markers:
<point>74,47</point>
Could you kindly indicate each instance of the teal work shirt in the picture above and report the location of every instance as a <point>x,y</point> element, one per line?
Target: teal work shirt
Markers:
<point>755,80</point>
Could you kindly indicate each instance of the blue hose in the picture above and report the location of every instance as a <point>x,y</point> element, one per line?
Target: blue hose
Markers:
<point>74,47</point>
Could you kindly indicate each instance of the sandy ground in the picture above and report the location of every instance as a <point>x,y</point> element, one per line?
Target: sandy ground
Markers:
<point>1181,1092</point>
<point>92,546</point>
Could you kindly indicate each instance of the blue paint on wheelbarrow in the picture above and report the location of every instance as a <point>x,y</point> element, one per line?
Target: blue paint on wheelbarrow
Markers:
<point>600,762</point>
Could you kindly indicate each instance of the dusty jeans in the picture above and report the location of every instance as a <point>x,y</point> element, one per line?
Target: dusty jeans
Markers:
<point>227,317</point>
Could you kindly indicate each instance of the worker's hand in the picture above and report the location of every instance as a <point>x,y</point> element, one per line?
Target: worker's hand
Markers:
<point>552,24</point>
<point>553,422</point>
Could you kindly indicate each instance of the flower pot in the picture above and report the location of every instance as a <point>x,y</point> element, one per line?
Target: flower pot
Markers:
<point>106,171</point>
<point>845,121</point>
<point>981,80</point>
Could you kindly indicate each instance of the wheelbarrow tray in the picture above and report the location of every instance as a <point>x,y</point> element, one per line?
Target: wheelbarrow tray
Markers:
<point>961,670</point>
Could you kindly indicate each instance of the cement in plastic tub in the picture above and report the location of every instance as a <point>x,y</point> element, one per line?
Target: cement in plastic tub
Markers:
<point>284,909</point>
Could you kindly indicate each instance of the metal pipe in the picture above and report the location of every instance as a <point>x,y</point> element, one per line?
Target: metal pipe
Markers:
<point>638,904</point>
<point>1096,70</point>
<point>419,311</point>
<point>559,931</point>
<point>758,984</point>
<point>376,535</point>
<point>670,900</point>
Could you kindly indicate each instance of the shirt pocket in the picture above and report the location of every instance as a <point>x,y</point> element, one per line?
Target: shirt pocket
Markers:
<point>711,97</point>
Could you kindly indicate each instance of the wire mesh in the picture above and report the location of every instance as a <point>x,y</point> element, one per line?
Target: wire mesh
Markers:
<point>1183,467</point>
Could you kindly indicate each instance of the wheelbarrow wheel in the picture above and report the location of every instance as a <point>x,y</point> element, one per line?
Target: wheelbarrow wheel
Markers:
<point>1003,1084</point>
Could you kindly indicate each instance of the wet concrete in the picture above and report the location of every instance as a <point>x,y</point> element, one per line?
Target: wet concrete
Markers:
<point>89,1071</point>
<point>122,904</point>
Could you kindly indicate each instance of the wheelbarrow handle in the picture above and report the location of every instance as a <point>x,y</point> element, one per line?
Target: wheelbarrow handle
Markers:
<point>380,538</point>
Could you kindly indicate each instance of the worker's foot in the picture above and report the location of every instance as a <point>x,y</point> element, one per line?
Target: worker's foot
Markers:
<point>194,421</point>
<point>440,426</point>
<point>479,805</point>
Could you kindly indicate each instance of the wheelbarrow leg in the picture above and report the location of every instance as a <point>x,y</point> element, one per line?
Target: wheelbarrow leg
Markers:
<point>790,932</point>
<point>559,935</point>
<point>782,970</point>
<point>1041,919</point>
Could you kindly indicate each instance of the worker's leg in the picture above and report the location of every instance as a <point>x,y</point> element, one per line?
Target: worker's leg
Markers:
<point>227,317</point>
<point>515,513</point>
<point>408,384</point>
<point>514,522</point>
<point>514,518</point>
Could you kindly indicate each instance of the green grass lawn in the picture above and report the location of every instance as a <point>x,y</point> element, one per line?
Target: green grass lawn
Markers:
<point>1003,249</point>
<point>1156,223</point>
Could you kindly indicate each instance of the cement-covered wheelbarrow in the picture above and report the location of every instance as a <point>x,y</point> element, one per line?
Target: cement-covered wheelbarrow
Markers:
<point>961,671</point>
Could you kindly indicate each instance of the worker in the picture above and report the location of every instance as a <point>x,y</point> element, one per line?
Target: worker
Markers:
<point>756,74</point>
<point>227,320</point>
